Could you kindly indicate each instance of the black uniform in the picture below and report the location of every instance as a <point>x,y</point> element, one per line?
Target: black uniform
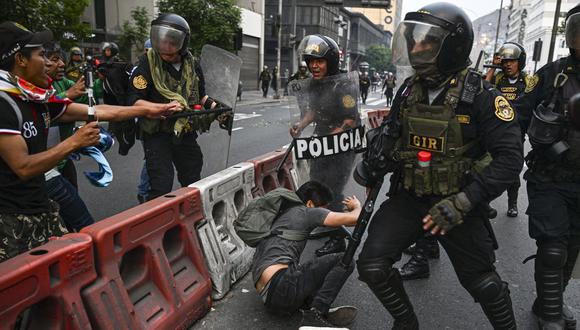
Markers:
<point>162,149</point>
<point>365,83</point>
<point>553,191</point>
<point>398,222</point>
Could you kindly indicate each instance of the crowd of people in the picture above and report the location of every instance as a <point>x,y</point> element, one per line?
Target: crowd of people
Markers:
<point>453,142</point>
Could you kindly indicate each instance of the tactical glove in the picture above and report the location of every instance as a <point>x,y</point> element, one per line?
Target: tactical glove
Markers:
<point>449,212</point>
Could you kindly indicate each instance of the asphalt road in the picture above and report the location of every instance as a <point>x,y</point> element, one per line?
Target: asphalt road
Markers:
<point>440,302</point>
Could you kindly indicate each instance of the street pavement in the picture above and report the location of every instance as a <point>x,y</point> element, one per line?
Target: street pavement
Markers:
<point>261,125</point>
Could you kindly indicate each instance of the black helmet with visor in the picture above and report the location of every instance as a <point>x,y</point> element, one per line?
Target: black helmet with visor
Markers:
<point>513,51</point>
<point>573,29</point>
<point>170,34</point>
<point>319,46</point>
<point>439,35</point>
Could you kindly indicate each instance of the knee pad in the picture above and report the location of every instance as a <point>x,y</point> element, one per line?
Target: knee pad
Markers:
<point>487,288</point>
<point>375,270</point>
<point>552,255</point>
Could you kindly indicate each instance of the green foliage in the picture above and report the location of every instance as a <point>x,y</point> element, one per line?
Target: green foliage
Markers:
<point>211,21</point>
<point>62,17</point>
<point>379,57</point>
<point>134,34</point>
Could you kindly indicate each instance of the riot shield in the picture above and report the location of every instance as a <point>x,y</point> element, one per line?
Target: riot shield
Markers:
<point>221,71</point>
<point>326,130</point>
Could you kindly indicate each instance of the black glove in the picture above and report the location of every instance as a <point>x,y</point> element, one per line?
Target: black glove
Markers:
<point>449,212</point>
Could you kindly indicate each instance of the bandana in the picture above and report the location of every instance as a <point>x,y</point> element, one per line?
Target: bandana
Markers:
<point>27,91</point>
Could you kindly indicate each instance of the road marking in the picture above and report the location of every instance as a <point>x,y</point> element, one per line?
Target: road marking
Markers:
<point>242,116</point>
<point>237,129</point>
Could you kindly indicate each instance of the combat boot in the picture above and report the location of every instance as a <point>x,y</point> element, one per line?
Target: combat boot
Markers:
<point>429,245</point>
<point>491,212</point>
<point>567,316</point>
<point>417,267</point>
<point>512,193</point>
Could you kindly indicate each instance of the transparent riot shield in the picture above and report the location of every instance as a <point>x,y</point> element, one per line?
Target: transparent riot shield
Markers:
<point>221,71</point>
<point>326,130</point>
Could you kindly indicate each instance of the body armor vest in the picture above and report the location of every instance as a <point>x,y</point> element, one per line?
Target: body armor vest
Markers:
<point>510,91</point>
<point>437,129</point>
<point>567,169</point>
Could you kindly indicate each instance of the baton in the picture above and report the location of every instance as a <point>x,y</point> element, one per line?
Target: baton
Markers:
<point>361,224</point>
<point>216,111</point>
<point>286,154</point>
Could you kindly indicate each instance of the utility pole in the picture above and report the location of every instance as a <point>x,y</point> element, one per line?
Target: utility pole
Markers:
<point>554,31</point>
<point>497,29</point>
<point>279,53</point>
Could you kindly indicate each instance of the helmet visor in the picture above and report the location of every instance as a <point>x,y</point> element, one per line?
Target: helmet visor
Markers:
<point>312,45</point>
<point>167,40</point>
<point>416,43</point>
<point>509,52</point>
<point>573,31</point>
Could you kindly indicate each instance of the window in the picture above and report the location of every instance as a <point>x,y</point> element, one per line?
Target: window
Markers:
<point>100,15</point>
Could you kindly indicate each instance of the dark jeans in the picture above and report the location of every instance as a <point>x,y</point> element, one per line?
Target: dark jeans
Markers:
<point>69,172</point>
<point>312,284</point>
<point>73,210</point>
<point>161,154</point>
<point>397,224</point>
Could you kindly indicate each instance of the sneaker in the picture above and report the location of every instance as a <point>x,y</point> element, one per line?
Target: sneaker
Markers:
<point>341,316</point>
<point>512,211</point>
<point>312,319</point>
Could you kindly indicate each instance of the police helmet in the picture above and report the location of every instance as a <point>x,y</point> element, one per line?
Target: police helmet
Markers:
<point>110,45</point>
<point>76,51</point>
<point>573,29</point>
<point>303,64</point>
<point>438,34</point>
<point>513,51</point>
<point>170,34</point>
<point>319,46</point>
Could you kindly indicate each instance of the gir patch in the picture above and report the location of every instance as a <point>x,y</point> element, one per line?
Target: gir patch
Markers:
<point>140,82</point>
<point>503,109</point>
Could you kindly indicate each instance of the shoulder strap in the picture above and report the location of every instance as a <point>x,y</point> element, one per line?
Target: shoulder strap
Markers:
<point>15,107</point>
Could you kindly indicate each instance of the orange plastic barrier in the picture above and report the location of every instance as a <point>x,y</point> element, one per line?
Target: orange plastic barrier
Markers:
<point>265,172</point>
<point>43,285</point>
<point>150,266</point>
<point>376,117</point>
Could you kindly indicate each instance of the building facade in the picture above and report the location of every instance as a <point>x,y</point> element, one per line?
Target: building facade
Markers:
<point>485,32</point>
<point>388,18</point>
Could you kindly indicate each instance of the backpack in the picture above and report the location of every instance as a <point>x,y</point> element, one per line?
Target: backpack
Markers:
<point>254,223</point>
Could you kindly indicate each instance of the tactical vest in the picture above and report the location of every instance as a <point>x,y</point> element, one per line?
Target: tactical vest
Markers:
<point>511,91</point>
<point>437,129</point>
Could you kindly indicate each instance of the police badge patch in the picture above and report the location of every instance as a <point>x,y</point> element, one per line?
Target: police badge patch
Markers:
<point>140,82</point>
<point>503,109</point>
<point>531,82</point>
<point>348,101</point>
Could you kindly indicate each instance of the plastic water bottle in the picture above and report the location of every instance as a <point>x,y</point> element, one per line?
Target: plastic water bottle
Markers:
<point>424,158</point>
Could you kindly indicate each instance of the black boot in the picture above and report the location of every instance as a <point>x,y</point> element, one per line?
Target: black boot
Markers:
<point>417,267</point>
<point>429,244</point>
<point>335,244</point>
<point>567,316</point>
<point>512,193</point>
<point>491,212</point>
<point>550,289</point>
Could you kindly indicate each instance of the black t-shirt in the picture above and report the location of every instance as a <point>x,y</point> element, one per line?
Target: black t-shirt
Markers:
<point>277,250</point>
<point>16,195</point>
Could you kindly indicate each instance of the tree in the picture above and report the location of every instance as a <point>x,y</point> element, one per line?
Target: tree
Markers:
<point>134,35</point>
<point>211,21</point>
<point>62,17</point>
<point>379,57</point>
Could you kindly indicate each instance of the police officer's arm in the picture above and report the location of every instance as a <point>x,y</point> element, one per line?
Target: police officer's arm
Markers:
<point>297,128</point>
<point>106,112</point>
<point>500,134</point>
<point>349,218</point>
<point>14,151</point>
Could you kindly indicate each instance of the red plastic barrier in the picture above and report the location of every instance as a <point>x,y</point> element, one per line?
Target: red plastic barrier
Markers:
<point>152,274</point>
<point>376,117</point>
<point>265,172</point>
<point>46,282</point>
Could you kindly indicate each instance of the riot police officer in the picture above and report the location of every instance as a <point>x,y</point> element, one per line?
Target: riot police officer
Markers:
<point>168,72</point>
<point>73,67</point>
<point>449,118</point>
<point>332,113</point>
<point>110,52</point>
<point>512,82</point>
<point>301,74</point>
<point>553,179</point>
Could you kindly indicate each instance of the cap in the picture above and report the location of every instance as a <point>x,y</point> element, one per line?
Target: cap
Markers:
<point>14,37</point>
<point>424,156</point>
